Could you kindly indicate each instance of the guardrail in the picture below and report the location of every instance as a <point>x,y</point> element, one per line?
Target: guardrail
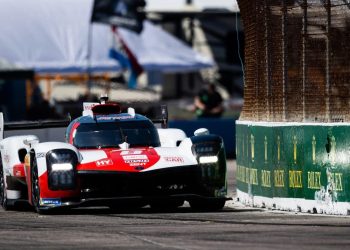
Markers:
<point>294,166</point>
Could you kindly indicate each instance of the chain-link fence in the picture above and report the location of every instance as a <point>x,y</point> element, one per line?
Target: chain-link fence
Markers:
<point>297,57</point>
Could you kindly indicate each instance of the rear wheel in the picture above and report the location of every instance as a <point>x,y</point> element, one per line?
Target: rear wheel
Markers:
<point>207,205</point>
<point>35,187</point>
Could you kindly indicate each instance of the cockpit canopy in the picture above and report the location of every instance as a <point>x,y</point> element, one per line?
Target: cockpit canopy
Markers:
<point>137,133</point>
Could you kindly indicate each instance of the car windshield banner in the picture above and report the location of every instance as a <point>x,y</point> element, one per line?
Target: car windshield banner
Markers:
<point>122,13</point>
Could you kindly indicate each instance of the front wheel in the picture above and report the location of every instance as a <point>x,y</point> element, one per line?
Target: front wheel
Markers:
<point>207,205</point>
<point>3,197</point>
<point>35,187</point>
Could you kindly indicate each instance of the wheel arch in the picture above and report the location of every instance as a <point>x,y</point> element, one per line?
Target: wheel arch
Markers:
<point>40,151</point>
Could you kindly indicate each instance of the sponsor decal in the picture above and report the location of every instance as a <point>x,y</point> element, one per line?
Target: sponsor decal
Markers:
<point>105,162</point>
<point>109,118</point>
<point>40,155</point>
<point>137,161</point>
<point>174,159</point>
<point>55,202</point>
<point>131,152</point>
<point>18,170</point>
<point>89,105</point>
<point>137,164</point>
<point>135,157</point>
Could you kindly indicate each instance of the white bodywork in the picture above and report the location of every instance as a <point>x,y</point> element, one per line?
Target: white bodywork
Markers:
<point>175,151</point>
<point>175,156</point>
<point>9,148</point>
<point>170,154</point>
<point>170,137</point>
<point>9,151</point>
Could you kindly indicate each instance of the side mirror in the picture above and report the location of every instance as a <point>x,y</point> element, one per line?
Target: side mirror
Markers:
<point>31,142</point>
<point>201,131</point>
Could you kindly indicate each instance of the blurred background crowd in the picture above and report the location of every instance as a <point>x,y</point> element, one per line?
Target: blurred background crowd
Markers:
<point>188,54</point>
<point>55,55</point>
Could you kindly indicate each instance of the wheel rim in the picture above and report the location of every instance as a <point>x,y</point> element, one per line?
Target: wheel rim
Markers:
<point>35,186</point>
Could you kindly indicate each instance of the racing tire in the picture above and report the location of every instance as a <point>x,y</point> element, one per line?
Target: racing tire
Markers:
<point>35,188</point>
<point>166,205</point>
<point>207,205</point>
<point>3,196</point>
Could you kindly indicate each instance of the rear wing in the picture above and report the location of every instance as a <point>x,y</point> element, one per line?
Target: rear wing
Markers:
<point>30,125</point>
<point>88,109</point>
<point>163,120</point>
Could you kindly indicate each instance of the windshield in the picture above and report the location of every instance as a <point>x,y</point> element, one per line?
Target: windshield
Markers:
<point>111,134</point>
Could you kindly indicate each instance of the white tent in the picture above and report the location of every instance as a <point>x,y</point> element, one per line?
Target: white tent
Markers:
<point>51,36</point>
<point>5,65</point>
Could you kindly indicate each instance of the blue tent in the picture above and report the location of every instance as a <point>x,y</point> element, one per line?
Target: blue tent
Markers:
<point>51,36</point>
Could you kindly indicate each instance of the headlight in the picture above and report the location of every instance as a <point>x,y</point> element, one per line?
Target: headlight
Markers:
<point>61,169</point>
<point>207,148</point>
<point>208,159</point>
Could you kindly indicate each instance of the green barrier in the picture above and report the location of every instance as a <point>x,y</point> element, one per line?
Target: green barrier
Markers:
<point>294,166</point>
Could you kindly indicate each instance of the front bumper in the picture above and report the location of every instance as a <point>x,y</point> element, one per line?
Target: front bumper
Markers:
<point>187,180</point>
<point>101,188</point>
<point>96,202</point>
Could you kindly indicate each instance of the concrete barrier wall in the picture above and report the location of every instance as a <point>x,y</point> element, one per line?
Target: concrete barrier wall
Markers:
<point>294,166</point>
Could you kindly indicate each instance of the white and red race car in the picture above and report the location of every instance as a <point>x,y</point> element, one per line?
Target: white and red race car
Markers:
<point>113,159</point>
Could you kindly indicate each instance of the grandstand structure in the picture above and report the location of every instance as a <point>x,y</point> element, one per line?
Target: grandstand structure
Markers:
<point>297,60</point>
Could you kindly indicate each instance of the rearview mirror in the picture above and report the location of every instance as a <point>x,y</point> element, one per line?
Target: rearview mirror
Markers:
<point>201,131</point>
<point>30,142</point>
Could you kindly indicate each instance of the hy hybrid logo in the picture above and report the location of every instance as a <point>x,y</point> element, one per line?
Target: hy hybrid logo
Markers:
<point>106,162</point>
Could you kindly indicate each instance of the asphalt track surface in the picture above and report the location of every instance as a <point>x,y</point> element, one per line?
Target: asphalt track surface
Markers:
<point>236,227</point>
